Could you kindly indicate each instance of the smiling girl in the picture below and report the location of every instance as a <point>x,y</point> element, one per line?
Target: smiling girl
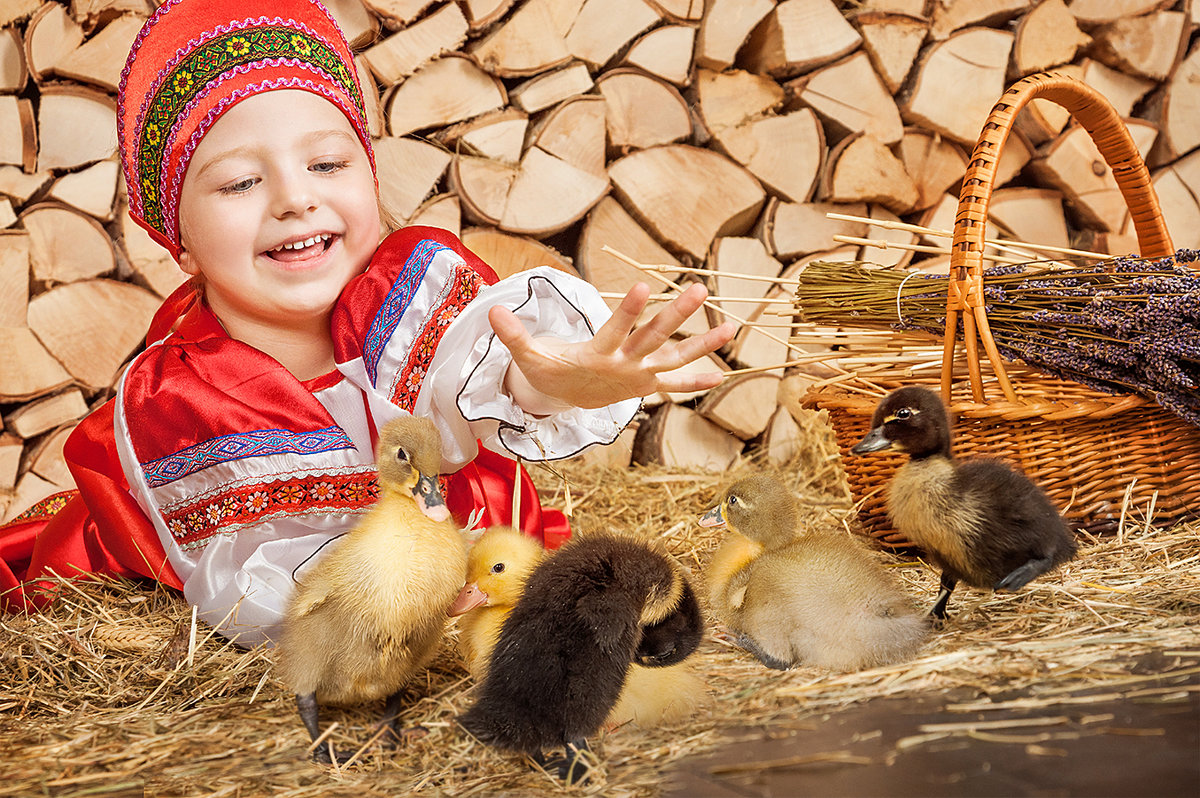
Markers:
<point>241,440</point>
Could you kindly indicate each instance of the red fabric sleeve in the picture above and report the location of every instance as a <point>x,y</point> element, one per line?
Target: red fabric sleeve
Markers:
<point>102,531</point>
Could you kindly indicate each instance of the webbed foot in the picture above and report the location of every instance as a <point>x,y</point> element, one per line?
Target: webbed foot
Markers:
<point>1024,575</point>
<point>750,644</point>
<point>572,766</point>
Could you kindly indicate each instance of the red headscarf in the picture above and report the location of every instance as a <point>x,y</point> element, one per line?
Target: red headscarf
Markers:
<point>195,59</point>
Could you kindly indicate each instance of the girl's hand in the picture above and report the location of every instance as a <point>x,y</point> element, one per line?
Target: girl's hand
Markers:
<point>548,375</point>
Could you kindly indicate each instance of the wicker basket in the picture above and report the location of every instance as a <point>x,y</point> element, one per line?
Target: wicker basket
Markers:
<point>1094,453</point>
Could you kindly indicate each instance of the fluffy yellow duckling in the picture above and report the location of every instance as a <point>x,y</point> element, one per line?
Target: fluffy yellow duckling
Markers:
<point>813,599</point>
<point>982,522</point>
<point>497,567</point>
<point>372,611</point>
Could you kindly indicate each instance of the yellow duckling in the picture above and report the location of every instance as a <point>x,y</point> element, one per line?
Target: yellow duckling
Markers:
<point>982,522</point>
<point>813,599</point>
<point>497,567</point>
<point>372,611</point>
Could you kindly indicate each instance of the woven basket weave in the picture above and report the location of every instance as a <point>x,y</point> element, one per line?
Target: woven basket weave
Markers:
<point>1094,453</point>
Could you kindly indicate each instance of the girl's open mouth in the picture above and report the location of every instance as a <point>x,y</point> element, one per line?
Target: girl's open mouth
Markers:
<point>302,250</point>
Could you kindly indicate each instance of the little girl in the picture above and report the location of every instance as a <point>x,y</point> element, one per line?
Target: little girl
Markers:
<point>242,439</point>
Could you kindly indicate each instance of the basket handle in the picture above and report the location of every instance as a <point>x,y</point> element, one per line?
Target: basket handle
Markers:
<point>965,294</point>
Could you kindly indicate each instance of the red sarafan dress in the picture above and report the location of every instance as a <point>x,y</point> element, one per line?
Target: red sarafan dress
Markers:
<point>215,471</point>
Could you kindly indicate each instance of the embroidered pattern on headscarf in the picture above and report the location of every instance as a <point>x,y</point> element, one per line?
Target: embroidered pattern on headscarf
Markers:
<point>270,42</point>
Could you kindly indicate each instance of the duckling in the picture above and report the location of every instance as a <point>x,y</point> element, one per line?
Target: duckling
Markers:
<point>372,611</point>
<point>565,649</point>
<point>791,599</point>
<point>497,567</point>
<point>981,521</point>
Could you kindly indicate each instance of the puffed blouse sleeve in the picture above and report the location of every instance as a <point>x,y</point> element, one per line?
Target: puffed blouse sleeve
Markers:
<point>413,332</point>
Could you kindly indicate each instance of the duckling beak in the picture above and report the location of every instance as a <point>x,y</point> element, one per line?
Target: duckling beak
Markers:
<point>429,498</point>
<point>714,517</point>
<point>873,442</point>
<point>467,599</point>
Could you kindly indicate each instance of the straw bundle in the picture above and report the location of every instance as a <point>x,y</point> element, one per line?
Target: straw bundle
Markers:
<point>1129,325</point>
<point>82,714</point>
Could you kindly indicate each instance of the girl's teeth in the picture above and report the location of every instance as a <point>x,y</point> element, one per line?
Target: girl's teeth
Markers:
<point>308,242</point>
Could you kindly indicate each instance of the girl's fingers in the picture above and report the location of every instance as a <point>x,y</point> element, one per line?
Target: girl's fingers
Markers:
<point>613,334</point>
<point>510,331</point>
<point>649,337</point>
<point>685,383</point>
<point>693,348</point>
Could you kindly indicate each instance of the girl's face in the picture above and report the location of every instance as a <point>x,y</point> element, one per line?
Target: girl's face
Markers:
<point>278,211</point>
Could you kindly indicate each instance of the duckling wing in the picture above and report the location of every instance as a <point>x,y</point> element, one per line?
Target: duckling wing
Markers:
<point>1018,522</point>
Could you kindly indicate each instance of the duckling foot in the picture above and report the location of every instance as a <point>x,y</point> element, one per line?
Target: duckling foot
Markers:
<point>323,754</point>
<point>571,766</point>
<point>939,608</point>
<point>750,644</point>
<point>1024,575</point>
<point>397,735</point>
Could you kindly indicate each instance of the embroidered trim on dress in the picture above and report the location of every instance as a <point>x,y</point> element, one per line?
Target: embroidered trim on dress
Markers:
<point>257,443</point>
<point>399,296</point>
<point>464,286</point>
<point>44,509</point>
<point>236,508</point>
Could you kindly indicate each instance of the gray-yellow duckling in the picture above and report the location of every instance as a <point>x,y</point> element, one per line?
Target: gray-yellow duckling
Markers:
<point>980,521</point>
<point>372,611</point>
<point>794,599</point>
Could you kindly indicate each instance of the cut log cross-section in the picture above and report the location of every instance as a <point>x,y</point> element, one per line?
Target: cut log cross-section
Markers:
<point>677,436</point>
<point>687,196</point>
<point>957,82</point>
<point>444,91</point>
<point>892,42</point>
<point>92,326</point>
<point>642,111</point>
<point>798,35</point>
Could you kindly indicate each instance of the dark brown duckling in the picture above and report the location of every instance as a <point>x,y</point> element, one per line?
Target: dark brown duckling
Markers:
<point>816,598</point>
<point>980,521</point>
<point>565,649</point>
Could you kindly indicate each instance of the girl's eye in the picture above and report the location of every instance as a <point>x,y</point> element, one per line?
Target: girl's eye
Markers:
<point>240,187</point>
<point>498,568</point>
<point>326,167</point>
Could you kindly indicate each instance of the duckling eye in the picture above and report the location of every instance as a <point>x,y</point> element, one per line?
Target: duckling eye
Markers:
<point>903,413</point>
<point>733,500</point>
<point>401,455</point>
<point>498,568</point>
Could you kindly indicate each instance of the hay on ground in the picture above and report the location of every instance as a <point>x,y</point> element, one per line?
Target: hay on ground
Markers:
<point>115,689</point>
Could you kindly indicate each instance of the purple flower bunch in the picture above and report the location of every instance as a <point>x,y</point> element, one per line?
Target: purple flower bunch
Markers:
<point>1128,325</point>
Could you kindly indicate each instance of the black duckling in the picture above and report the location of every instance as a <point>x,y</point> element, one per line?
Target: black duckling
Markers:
<point>372,611</point>
<point>980,521</point>
<point>791,599</point>
<point>660,694</point>
<point>565,649</point>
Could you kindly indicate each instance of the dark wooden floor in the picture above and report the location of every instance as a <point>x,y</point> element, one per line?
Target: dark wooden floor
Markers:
<point>1145,743</point>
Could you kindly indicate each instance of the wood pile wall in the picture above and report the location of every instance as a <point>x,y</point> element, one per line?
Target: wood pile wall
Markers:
<point>708,134</point>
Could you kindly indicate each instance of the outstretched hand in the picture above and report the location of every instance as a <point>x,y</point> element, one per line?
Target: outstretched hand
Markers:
<point>617,363</point>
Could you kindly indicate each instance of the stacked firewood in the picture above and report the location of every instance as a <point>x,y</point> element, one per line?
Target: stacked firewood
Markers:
<point>708,136</point>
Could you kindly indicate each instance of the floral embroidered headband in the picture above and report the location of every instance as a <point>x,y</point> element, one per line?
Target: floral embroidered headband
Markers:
<point>195,59</point>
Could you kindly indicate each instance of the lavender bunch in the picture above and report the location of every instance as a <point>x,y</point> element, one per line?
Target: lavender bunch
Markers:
<point>1129,325</point>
